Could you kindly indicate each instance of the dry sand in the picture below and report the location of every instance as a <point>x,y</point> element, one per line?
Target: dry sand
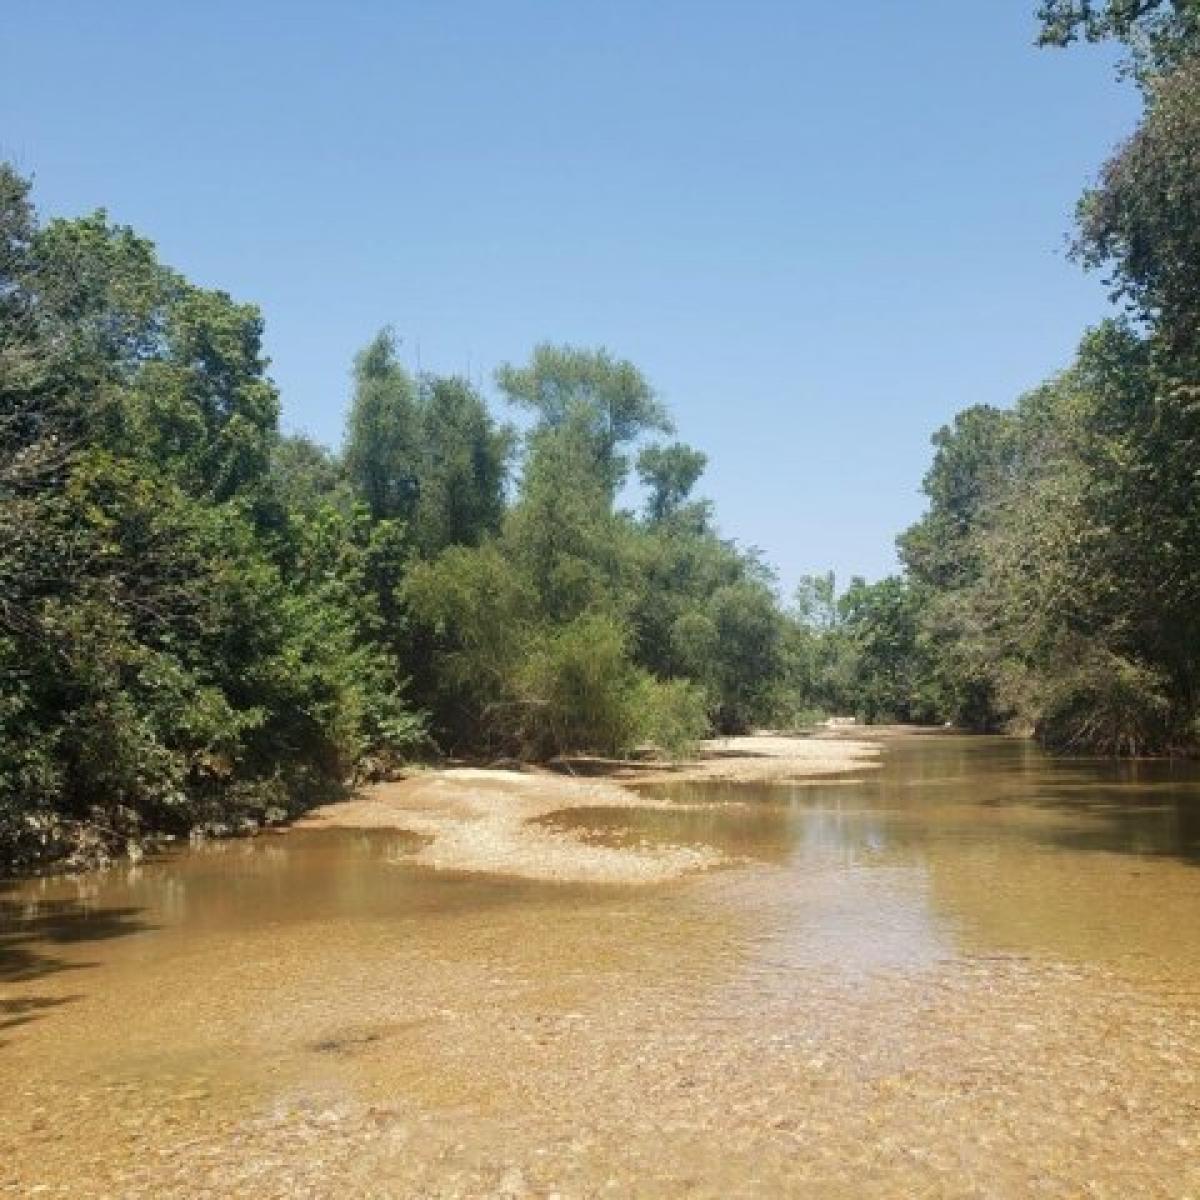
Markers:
<point>474,819</point>
<point>764,758</point>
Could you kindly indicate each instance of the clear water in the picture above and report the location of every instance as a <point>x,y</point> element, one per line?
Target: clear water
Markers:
<point>975,972</point>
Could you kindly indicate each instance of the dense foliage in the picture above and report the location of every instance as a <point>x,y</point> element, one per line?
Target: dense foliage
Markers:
<point>178,643</point>
<point>206,623</point>
<point>1054,583</point>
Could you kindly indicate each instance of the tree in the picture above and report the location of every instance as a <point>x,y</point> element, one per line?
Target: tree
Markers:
<point>973,459</point>
<point>816,602</point>
<point>171,653</point>
<point>562,529</point>
<point>306,474</point>
<point>669,473</point>
<point>462,467</point>
<point>1160,32</point>
<point>1142,222</point>
<point>606,401</point>
<point>882,622</point>
<point>479,616</point>
<point>382,432</point>
<point>743,655</point>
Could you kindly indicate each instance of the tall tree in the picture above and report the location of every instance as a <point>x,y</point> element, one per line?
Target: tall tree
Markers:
<point>606,400</point>
<point>669,473</point>
<point>1161,33</point>
<point>166,656</point>
<point>1142,221</point>
<point>462,467</point>
<point>383,431</point>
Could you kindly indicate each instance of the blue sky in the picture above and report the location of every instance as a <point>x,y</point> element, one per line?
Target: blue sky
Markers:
<point>820,229</point>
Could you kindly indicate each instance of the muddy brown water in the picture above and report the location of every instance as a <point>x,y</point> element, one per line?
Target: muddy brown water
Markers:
<point>975,972</point>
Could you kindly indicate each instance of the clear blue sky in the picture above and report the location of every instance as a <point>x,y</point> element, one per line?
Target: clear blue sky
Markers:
<point>820,229</point>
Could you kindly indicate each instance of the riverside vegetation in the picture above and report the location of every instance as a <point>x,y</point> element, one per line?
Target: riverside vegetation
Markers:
<point>1053,584</point>
<point>204,621</point>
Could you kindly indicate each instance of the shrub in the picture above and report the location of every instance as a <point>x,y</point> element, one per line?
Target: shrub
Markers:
<point>1105,703</point>
<point>578,691</point>
<point>672,714</point>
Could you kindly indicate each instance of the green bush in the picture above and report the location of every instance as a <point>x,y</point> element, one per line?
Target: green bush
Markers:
<point>579,691</point>
<point>672,715</point>
<point>1106,704</point>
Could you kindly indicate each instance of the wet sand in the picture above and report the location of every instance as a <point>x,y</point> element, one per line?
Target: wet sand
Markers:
<point>491,820</point>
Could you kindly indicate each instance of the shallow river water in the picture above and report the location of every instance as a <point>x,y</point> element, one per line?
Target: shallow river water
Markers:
<point>975,972</point>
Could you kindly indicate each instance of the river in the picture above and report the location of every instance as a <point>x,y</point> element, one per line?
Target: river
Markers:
<point>974,972</point>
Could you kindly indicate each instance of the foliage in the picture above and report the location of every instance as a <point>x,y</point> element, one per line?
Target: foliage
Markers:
<point>474,613</point>
<point>305,476</point>
<point>1142,221</point>
<point>607,401</point>
<point>669,473</point>
<point>382,436</point>
<point>169,654</point>
<point>889,671</point>
<point>577,690</point>
<point>462,467</point>
<point>672,714</point>
<point>863,652</point>
<point>1053,585</point>
<point>425,452</point>
<point>1160,32</point>
<point>204,622</point>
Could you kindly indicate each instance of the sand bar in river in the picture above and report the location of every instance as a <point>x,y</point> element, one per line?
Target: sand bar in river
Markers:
<point>473,819</point>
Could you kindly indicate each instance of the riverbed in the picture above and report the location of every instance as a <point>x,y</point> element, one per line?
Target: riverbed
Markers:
<point>973,971</point>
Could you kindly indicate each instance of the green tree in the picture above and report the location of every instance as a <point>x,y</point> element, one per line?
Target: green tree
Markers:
<point>669,473</point>
<point>563,530</point>
<point>883,624</point>
<point>816,602</point>
<point>1160,32</point>
<point>606,401</point>
<point>383,432</point>
<point>462,467</point>
<point>973,459</point>
<point>1142,221</point>
<point>306,474</point>
<point>744,657</point>
<point>168,655</point>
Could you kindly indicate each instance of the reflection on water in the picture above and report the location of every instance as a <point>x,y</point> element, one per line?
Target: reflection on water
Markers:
<point>972,922</point>
<point>958,845</point>
<point>974,832</point>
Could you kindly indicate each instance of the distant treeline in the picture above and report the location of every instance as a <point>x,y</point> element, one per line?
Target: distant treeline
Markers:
<point>1054,583</point>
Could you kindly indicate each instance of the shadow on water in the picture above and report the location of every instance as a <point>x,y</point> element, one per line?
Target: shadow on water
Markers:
<point>30,940</point>
<point>1144,808</point>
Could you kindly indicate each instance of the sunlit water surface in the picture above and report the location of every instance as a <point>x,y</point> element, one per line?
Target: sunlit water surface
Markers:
<point>973,973</point>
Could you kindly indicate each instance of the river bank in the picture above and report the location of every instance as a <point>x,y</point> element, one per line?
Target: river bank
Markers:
<point>505,800</point>
<point>477,819</point>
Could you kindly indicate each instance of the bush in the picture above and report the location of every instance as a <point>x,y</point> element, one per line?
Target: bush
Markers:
<point>673,715</point>
<point>1105,704</point>
<point>578,691</point>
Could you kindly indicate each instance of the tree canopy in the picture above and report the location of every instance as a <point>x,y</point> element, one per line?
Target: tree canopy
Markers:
<point>1161,33</point>
<point>204,622</point>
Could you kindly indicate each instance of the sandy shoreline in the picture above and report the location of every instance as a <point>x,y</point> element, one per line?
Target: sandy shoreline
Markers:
<point>472,819</point>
